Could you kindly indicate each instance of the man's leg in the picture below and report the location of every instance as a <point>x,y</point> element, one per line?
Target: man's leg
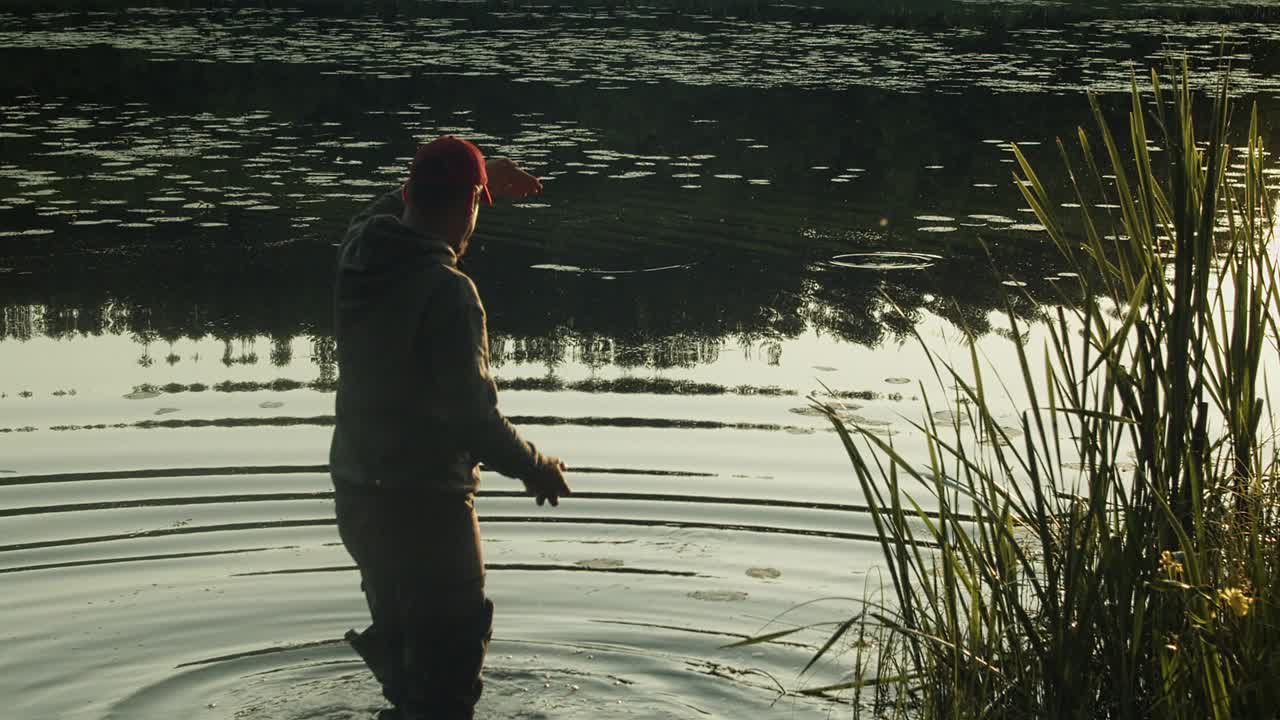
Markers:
<point>445,652</point>
<point>449,620</point>
<point>457,671</point>
<point>422,573</point>
<point>363,524</point>
<point>381,644</point>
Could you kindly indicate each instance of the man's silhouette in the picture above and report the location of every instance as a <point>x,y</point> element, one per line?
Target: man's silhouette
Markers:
<point>416,413</point>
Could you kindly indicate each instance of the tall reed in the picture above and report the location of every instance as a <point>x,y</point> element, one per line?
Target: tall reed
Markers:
<point>1116,555</point>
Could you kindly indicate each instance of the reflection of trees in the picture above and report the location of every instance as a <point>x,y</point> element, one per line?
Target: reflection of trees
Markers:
<point>596,350</point>
<point>281,350</point>
<point>851,307</point>
<point>679,318</point>
<point>20,322</point>
<point>324,354</point>
<point>755,275</point>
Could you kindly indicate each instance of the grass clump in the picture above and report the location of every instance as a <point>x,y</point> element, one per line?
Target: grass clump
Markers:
<point>1116,555</point>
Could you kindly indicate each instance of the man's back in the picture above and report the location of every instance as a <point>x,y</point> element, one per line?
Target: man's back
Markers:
<point>391,283</point>
<point>416,406</point>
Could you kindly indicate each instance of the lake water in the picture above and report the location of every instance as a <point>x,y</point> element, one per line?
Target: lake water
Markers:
<point>737,214</point>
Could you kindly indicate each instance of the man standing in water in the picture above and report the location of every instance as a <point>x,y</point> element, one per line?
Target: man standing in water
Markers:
<point>416,412</point>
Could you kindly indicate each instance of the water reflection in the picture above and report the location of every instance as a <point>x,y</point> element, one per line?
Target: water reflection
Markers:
<point>737,213</point>
<point>677,215</point>
<point>625,272</point>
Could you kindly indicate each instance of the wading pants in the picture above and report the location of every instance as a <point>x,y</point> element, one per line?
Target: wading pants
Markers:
<point>422,574</point>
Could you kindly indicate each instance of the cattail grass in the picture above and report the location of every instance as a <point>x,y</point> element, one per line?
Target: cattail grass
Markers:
<point>1117,557</point>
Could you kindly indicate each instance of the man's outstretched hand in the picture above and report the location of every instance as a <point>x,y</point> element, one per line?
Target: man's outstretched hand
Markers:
<point>547,483</point>
<point>506,179</point>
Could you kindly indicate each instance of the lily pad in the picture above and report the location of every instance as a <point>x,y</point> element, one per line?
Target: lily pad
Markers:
<point>719,595</point>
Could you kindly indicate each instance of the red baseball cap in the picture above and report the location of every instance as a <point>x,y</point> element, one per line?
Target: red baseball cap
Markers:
<point>450,160</point>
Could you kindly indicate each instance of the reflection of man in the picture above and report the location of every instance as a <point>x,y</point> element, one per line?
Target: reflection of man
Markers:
<point>416,411</point>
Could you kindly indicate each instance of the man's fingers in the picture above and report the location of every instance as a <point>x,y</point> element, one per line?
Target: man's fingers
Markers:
<point>509,179</point>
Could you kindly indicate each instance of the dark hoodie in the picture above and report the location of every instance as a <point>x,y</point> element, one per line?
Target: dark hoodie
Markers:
<point>416,406</point>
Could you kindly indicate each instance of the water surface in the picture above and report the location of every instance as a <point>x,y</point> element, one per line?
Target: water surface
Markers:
<point>737,214</point>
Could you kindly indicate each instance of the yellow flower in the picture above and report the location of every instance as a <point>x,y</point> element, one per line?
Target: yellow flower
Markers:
<point>1170,565</point>
<point>1235,599</point>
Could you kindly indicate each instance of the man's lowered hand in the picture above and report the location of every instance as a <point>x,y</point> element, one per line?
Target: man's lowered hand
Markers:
<point>547,482</point>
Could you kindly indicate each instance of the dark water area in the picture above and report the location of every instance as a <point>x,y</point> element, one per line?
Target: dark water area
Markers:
<point>690,211</point>
<point>737,212</point>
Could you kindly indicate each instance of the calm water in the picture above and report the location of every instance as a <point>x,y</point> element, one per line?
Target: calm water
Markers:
<point>736,214</point>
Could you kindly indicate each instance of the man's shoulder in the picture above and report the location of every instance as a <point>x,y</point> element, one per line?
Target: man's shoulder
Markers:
<point>463,287</point>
